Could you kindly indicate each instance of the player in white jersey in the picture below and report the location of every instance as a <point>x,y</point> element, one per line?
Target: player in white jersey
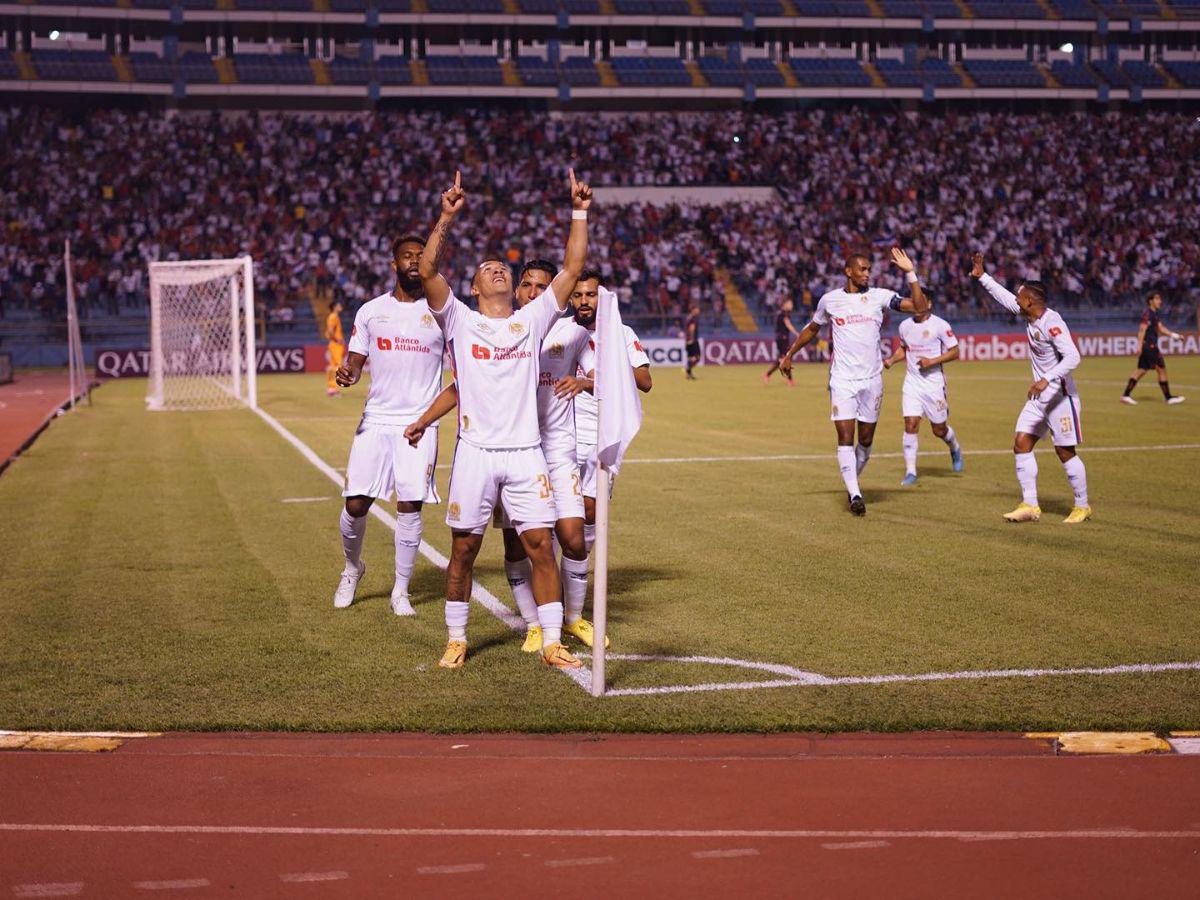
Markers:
<point>399,335</point>
<point>585,299</point>
<point>927,342</point>
<point>854,315</point>
<point>498,457</point>
<point>565,349</point>
<point>1052,405</point>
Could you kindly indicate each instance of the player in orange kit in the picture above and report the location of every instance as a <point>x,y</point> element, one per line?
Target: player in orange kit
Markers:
<point>337,347</point>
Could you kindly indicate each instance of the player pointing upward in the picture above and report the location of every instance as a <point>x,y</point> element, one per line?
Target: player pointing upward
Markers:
<point>1052,406</point>
<point>855,315</point>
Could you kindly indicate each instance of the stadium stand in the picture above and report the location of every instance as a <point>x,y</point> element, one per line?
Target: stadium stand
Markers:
<point>1004,73</point>
<point>150,67</point>
<point>343,70</point>
<point>393,70</point>
<point>537,72</point>
<point>74,65</point>
<point>932,71</point>
<point>658,71</point>
<point>580,71</point>
<point>829,72</point>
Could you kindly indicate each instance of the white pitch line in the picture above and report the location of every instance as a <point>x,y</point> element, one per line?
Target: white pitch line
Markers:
<point>61,889</point>
<point>585,861</point>
<point>451,870</point>
<point>301,877</point>
<point>87,734</point>
<point>481,595</point>
<point>176,885</point>
<point>303,499</point>
<point>857,845</point>
<point>723,854</point>
<point>849,834</point>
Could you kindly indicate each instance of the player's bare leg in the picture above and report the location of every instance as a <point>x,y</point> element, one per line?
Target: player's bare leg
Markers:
<point>408,543</point>
<point>519,572</point>
<point>848,465</point>
<point>353,526</point>
<point>912,425</point>
<point>1027,470</point>
<point>547,591</point>
<point>464,549</point>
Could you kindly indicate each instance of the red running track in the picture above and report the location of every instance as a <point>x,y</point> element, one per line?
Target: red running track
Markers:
<point>661,816</point>
<point>26,406</point>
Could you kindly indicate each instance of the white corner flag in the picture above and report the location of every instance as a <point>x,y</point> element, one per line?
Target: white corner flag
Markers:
<point>619,416</point>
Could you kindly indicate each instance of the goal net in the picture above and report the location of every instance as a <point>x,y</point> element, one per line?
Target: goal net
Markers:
<point>202,334</point>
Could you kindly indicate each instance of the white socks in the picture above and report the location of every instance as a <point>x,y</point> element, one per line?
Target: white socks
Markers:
<point>575,581</point>
<point>456,619</point>
<point>861,455</point>
<point>352,538</point>
<point>520,581</point>
<point>550,615</point>
<point>589,537</point>
<point>910,454</point>
<point>846,462</point>
<point>1077,475</point>
<point>951,439</point>
<point>408,539</point>
<point>1027,470</point>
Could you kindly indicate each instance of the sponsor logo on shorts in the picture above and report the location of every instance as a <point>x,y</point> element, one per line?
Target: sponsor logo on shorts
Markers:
<point>941,404</point>
<point>835,409</point>
<point>453,512</point>
<point>429,472</point>
<point>556,351</point>
<point>1064,424</point>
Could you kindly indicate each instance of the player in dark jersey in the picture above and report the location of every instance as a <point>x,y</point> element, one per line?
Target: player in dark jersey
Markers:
<point>785,333</point>
<point>691,338</point>
<point>1150,357</point>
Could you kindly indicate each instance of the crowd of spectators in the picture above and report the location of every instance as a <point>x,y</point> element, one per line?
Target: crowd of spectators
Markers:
<point>1102,207</point>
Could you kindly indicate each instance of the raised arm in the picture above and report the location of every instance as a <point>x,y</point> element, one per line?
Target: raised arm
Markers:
<point>917,302</point>
<point>999,292</point>
<point>577,242</point>
<point>807,333</point>
<point>437,290</point>
<point>442,404</point>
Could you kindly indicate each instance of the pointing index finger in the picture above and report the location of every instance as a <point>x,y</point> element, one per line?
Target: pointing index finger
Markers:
<point>458,179</point>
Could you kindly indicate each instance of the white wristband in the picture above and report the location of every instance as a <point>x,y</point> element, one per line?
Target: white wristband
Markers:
<point>910,277</point>
<point>579,214</point>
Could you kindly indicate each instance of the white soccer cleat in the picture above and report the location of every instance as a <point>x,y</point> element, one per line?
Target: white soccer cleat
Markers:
<point>1126,399</point>
<point>344,595</point>
<point>1176,399</point>
<point>401,604</point>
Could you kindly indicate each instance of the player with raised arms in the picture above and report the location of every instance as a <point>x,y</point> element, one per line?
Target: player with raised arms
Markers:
<point>1052,403</point>
<point>927,343</point>
<point>1150,357</point>
<point>498,458</point>
<point>855,316</point>
<point>399,335</point>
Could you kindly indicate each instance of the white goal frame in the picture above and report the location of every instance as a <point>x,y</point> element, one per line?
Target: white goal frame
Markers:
<point>213,389</point>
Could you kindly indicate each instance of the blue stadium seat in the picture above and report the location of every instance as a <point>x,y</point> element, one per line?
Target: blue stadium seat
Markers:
<point>1070,75</point>
<point>654,70</point>
<point>1188,72</point>
<point>393,70</point>
<point>348,6</point>
<point>1074,9</point>
<point>1111,72</point>
<point>537,72</point>
<point>73,65</point>
<point>1140,72</point>
<point>720,72</point>
<point>821,72</point>
<point>8,67</point>
<point>394,6</point>
<point>1004,73</point>
<point>1018,9</point>
<point>580,71</point>
<point>348,71</point>
<point>464,70</point>
<point>763,72</point>
<point>538,7</point>
<point>197,68</point>
<point>933,71</point>
<point>151,68</point>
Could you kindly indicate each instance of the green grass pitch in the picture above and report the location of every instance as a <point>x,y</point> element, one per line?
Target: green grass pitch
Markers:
<point>152,577</point>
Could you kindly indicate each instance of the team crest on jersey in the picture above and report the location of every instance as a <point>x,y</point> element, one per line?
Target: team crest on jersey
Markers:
<point>556,351</point>
<point>427,321</point>
<point>453,512</point>
<point>925,333</point>
<point>516,328</point>
<point>1037,335</point>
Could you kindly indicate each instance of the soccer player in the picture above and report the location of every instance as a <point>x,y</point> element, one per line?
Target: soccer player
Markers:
<point>585,300</point>
<point>785,333</point>
<point>1052,404</point>
<point>927,343</point>
<point>691,339</point>
<point>855,315</point>
<point>1151,357</point>
<point>336,350</point>
<point>498,458</point>
<point>564,350</point>
<point>398,333</point>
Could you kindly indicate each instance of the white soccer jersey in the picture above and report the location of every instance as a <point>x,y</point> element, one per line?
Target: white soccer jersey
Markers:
<point>496,368</point>
<point>566,350</point>
<point>927,340</point>
<point>585,404</point>
<point>404,345</point>
<point>1052,351</point>
<point>855,320</point>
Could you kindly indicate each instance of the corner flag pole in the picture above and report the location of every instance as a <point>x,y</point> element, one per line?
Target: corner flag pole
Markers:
<point>600,597</point>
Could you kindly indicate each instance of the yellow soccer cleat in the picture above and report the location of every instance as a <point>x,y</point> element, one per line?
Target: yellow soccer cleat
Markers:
<point>583,630</point>
<point>455,655</point>
<point>1078,514</point>
<point>533,639</point>
<point>1024,513</point>
<point>559,657</point>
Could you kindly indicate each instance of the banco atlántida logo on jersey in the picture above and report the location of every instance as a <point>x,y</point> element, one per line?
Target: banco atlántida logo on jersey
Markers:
<point>499,354</point>
<point>399,342</point>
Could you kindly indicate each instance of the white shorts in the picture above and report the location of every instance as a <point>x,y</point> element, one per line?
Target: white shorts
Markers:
<point>382,463</point>
<point>568,493</point>
<point>931,404</point>
<point>1057,416</point>
<point>480,479</point>
<point>856,399</point>
<point>588,469</point>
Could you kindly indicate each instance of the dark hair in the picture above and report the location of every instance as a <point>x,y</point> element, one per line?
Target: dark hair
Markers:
<point>405,239</point>
<point>337,302</point>
<point>1037,289</point>
<point>858,253</point>
<point>539,265</point>
<point>589,275</point>
<point>491,258</point>
<point>1155,293</point>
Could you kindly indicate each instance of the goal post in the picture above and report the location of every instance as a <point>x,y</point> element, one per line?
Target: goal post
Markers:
<point>202,353</point>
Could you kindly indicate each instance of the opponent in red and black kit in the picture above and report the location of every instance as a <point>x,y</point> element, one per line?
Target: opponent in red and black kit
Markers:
<point>1150,357</point>
<point>785,333</point>
<point>691,338</point>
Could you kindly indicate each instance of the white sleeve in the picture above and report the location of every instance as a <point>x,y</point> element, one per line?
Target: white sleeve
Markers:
<point>1000,293</point>
<point>360,334</point>
<point>633,347</point>
<point>541,313</point>
<point>451,313</point>
<point>1068,353</point>
<point>886,299</point>
<point>947,336</point>
<point>821,314</point>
